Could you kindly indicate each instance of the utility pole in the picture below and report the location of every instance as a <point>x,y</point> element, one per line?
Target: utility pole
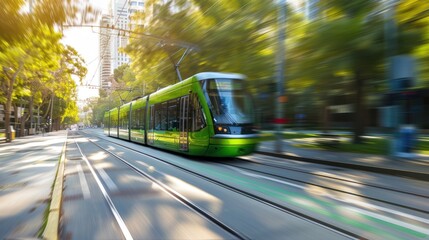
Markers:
<point>280,93</point>
<point>401,77</point>
<point>51,112</point>
<point>391,37</point>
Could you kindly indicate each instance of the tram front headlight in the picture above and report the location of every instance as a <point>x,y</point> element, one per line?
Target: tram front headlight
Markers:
<point>219,129</point>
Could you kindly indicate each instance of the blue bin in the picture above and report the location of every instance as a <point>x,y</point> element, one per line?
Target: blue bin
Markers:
<point>407,138</point>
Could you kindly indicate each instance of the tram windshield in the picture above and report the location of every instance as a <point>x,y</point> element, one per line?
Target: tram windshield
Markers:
<point>228,101</point>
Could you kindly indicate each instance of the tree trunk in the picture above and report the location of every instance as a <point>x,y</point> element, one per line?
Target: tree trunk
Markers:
<point>23,120</point>
<point>22,128</point>
<point>9,82</point>
<point>359,115</point>
<point>326,117</point>
<point>15,114</point>
<point>31,115</point>
<point>325,111</point>
<point>7,107</point>
<point>7,110</point>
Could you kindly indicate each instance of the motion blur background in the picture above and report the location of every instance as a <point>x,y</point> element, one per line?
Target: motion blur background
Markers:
<point>357,65</point>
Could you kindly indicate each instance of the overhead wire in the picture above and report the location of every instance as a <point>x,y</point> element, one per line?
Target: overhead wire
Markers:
<point>186,28</point>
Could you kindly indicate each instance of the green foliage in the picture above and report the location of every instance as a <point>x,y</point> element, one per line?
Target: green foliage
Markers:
<point>345,51</point>
<point>413,20</point>
<point>12,22</point>
<point>377,146</point>
<point>423,145</point>
<point>230,36</point>
<point>342,52</point>
<point>35,65</point>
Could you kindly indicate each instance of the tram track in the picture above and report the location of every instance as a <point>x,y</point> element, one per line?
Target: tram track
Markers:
<point>126,233</point>
<point>247,194</point>
<point>347,180</point>
<point>176,195</point>
<point>282,177</point>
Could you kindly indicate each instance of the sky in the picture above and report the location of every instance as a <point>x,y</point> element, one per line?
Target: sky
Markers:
<point>86,42</point>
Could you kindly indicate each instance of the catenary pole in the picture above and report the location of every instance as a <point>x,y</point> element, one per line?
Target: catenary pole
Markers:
<point>280,63</point>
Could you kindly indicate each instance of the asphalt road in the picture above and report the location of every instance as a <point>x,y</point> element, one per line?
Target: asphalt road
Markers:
<point>236,198</point>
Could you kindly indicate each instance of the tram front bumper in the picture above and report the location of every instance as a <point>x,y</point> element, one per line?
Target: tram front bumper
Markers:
<point>232,145</point>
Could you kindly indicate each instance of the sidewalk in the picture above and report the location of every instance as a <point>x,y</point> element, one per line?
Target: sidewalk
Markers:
<point>28,166</point>
<point>417,168</point>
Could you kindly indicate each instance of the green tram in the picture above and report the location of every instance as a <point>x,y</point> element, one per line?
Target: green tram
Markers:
<point>208,114</point>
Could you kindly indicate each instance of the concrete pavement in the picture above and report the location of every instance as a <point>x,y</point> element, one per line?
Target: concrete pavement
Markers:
<point>28,167</point>
<point>417,167</point>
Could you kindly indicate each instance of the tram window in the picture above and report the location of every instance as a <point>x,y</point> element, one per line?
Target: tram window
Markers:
<point>152,117</point>
<point>163,116</point>
<point>124,120</point>
<point>198,122</point>
<point>157,113</point>
<point>138,119</point>
<point>134,119</point>
<point>114,120</point>
<point>142,119</point>
<point>173,117</point>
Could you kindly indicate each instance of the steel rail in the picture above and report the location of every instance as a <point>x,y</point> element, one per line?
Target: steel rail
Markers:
<point>112,207</point>
<point>329,177</point>
<point>255,197</point>
<point>178,196</point>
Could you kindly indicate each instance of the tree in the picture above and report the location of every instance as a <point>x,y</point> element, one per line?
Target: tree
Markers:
<point>17,57</point>
<point>350,40</point>
<point>64,88</point>
<point>413,22</point>
<point>27,39</point>
<point>233,36</point>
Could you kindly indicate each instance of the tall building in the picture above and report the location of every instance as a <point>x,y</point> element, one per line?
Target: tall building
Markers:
<point>135,6</point>
<point>120,19</point>
<point>112,40</point>
<point>121,11</point>
<point>105,52</point>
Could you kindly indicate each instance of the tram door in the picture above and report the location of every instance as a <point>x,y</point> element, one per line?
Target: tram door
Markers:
<point>184,123</point>
<point>150,130</point>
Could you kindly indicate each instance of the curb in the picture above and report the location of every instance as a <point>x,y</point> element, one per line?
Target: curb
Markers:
<point>52,226</point>
<point>396,172</point>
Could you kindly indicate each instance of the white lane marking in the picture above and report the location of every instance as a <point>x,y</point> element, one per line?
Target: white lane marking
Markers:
<point>391,220</point>
<point>113,209</point>
<point>368,205</point>
<point>109,182</point>
<point>83,183</point>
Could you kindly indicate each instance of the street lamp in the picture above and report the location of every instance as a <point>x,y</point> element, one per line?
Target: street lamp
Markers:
<point>280,96</point>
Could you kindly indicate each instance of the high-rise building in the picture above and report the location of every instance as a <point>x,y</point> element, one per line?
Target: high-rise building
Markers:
<point>112,40</point>
<point>120,19</point>
<point>135,6</point>
<point>105,52</point>
<point>121,10</point>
